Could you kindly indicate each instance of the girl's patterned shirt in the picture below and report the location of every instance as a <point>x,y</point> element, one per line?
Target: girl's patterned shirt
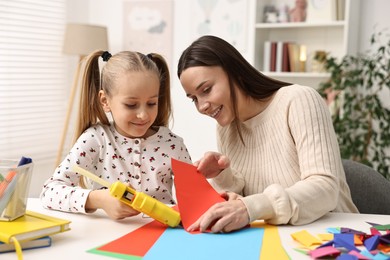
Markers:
<point>145,164</point>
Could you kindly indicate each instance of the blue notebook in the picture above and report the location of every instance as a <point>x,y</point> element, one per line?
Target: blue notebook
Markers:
<point>27,244</point>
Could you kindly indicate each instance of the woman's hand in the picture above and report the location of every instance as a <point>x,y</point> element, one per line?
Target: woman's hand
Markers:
<point>212,164</point>
<point>228,195</point>
<point>222,217</point>
<point>113,207</point>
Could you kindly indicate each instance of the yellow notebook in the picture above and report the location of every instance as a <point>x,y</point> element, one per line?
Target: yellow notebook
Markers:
<point>31,226</point>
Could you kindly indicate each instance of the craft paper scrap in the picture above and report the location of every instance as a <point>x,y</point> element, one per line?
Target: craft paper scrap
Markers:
<point>372,242</point>
<point>350,230</point>
<point>358,255</point>
<point>375,231</point>
<point>382,227</point>
<point>179,244</point>
<point>384,248</point>
<point>357,240</point>
<point>324,251</point>
<point>194,193</point>
<point>367,254</point>
<point>345,240</point>
<point>327,243</point>
<point>386,238</point>
<point>325,237</point>
<point>305,238</point>
<point>302,250</point>
<point>347,257</point>
<point>372,224</point>
<point>333,230</point>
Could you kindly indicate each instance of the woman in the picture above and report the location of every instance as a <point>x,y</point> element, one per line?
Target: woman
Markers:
<point>279,158</point>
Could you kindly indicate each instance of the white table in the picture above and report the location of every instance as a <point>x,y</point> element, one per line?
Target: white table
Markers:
<point>90,231</point>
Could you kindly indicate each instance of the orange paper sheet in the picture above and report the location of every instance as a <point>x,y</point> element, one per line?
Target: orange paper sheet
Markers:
<point>194,193</point>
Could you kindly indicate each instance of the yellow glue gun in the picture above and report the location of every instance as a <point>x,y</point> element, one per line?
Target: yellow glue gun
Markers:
<point>137,200</point>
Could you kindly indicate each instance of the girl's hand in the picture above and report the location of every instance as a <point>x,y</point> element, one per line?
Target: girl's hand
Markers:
<point>113,207</point>
<point>222,217</point>
<point>212,164</point>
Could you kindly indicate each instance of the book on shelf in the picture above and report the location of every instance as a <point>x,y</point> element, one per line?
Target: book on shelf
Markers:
<point>267,56</point>
<point>273,56</point>
<point>285,58</point>
<point>294,52</point>
<point>26,244</point>
<point>30,226</point>
<point>281,56</point>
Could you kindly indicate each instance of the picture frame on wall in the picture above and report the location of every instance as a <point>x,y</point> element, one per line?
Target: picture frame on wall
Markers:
<point>148,27</point>
<point>321,10</point>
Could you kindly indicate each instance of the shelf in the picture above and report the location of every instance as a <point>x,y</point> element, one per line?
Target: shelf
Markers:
<point>298,25</point>
<point>314,75</point>
<point>335,37</point>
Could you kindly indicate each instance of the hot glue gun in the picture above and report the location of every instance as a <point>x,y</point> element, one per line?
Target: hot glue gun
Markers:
<point>137,200</point>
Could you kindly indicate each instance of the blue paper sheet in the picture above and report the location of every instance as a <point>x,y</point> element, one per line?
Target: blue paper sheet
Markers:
<point>179,244</point>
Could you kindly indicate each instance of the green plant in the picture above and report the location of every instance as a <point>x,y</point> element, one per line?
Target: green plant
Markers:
<point>361,121</point>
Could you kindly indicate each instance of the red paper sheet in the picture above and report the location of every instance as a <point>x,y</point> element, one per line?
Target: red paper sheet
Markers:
<point>138,242</point>
<point>194,193</point>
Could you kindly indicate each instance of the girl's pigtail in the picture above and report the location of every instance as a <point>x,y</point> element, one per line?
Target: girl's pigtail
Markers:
<point>164,102</point>
<point>90,109</point>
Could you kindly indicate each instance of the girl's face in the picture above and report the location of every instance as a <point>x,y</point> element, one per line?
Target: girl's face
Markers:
<point>134,103</point>
<point>208,87</point>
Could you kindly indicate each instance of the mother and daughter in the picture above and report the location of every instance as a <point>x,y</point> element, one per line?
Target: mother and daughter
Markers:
<point>278,156</point>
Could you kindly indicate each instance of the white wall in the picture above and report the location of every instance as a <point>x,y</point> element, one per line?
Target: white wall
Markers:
<point>374,18</point>
<point>198,131</point>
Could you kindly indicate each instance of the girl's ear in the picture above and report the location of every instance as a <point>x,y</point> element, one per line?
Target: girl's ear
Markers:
<point>104,101</point>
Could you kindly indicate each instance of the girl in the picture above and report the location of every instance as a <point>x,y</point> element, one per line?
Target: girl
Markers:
<point>279,152</point>
<point>135,148</point>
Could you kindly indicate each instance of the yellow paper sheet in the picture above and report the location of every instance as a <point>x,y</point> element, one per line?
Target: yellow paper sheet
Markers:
<point>272,246</point>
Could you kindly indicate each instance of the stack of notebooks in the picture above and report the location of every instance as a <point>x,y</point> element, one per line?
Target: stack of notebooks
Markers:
<point>32,230</point>
<point>21,229</point>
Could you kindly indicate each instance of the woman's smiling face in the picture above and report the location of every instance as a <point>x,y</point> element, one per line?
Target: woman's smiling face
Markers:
<point>208,88</point>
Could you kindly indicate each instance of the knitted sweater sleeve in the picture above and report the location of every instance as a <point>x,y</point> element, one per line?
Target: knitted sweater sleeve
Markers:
<point>317,190</point>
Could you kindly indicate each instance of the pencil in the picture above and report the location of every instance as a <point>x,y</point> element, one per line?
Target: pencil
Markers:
<point>6,181</point>
<point>4,184</point>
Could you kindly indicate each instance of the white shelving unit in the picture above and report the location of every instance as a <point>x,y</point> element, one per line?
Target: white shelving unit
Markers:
<point>337,38</point>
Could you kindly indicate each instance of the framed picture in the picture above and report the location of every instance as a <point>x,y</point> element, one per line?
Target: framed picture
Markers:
<point>321,10</point>
<point>148,27</point>
<point>225,18</point>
